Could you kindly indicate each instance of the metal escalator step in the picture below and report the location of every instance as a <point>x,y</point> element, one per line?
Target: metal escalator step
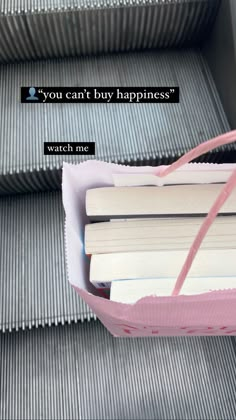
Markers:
<point>34,289</point>
<point>135,133</point>
<point>31,30</point>
<point>81,372</point>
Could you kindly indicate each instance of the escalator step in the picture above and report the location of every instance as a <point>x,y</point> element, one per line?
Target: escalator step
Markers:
<point>81,372</point>
<point>134,133</point>
<point>32,30</point>
<point>34,290</point>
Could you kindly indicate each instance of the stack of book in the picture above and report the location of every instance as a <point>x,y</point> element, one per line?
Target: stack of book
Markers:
<point>139,238</point>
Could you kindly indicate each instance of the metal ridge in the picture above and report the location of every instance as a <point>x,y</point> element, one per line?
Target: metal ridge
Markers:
<point>17,7</point>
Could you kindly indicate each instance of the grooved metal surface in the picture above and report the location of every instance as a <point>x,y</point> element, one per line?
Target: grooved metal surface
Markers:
<point>31,30</point>
<point>81,372</point>
<point>34,289</point>
<point>126,133</point>
<point>34,6</point>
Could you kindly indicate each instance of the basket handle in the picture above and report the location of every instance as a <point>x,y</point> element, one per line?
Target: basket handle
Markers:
<point>209,219</point>
<point>223,196</point>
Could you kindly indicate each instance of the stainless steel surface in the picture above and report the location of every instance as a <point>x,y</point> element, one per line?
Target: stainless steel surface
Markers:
<point>81,372</point>
<point>125,133</point>
<point>31,30</point>
<point>34,289</point>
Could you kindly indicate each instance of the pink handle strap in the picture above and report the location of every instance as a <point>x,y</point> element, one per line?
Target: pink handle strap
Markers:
<point>223,196</point>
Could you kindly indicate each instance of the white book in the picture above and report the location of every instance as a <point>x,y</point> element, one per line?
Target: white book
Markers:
<point>130,291</point>
<point>104,268</point>
<point>181,176</point>
<point>125,202</point>
<point>157,234</point>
